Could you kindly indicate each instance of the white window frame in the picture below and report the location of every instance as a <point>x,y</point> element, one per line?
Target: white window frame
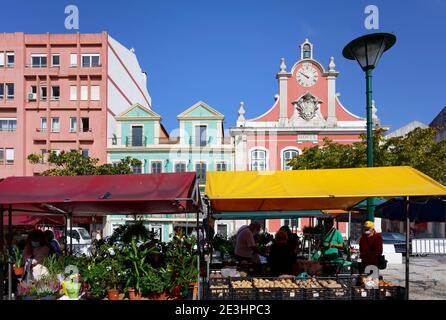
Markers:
<point>3,155</point>
<point>39,55</point>
<point>195,167</point>
<point>143,134</point>
<point>179,162</point>
<point>194,142</point>
<point>73,60</point>
<point>266,157</point>
<point>52,61</point>
<point>221,162</point>
<point>42,98</point>
<point>8,153</point>
<point>81,125</point>
<point>43,128</point>
<point>88,151</point>
<point>282,156</point>
<point>156,160</point>
<point>9,54</point>
<point>299,223</point>
<point>73,93</point>
<point>90,55</point>
<point>53,97</point>
<point>141,166</point>
<point>9,119</point>
<point>8,96</point>
<point>52,124</point>
<point>84,93</point>
<point>2,59</point>
<point>71,124</point>
<point>3,86</point>
<point>95,95</point>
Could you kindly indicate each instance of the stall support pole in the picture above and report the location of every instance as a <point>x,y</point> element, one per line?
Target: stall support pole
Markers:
<point>10,252</point>
<point>66,234</point>
<point>2,274</point>
<point>71,234</point>
<point>198,258</point>
<point>407,246</point>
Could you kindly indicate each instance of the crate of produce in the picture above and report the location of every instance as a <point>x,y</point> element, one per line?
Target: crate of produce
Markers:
<point>361,293</point>
<point>242,289</point>
<point>391,293</point>
<point>273,288</point>
<point>293,294</point>
<point>338,293</point>
<point>218,289</point>
<point>348,280</point>
<point>315,294</point>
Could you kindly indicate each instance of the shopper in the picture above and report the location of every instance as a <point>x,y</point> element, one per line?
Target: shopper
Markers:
<point>245,247</point>
<point>331,242</point>
<point>370,246</point>
<point>36,247</point>
<point>52,243</point>
<point>293,240</point>
<point>282,256</point>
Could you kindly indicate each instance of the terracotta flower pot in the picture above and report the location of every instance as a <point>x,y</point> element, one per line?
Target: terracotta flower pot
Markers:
<point>113,294</point>
<point>19,271</point>
<point>158,296</point>
<point>134,295</point>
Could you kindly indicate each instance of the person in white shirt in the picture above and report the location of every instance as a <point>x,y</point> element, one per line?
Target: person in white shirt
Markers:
<point>245,248</point>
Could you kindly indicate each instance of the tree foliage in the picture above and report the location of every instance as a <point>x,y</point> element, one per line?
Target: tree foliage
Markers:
<point>418,149</point>
<point>74,163</point>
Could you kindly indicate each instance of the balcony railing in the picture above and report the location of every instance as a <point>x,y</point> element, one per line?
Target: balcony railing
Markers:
<point>136,141</point>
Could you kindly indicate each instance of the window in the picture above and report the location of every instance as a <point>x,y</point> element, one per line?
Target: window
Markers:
<point>73,93</point>
<point>73,124</point>
<point>10,91</point>
<point>10,59</point>
<point>85,152</point>
<point>43,152</point>
<point>2,156</point>
<point>156,167</point>
<point>292,223</point>
<point>180,167</point>
<point>43,93</point>
<point>2,91</point>
<point>73,60</point>
<point>55,93</point>
<point>33,93</point>
<point>200,136</point>
<point>95,93</point>
<point>38,61</point>
<point>307,51</point>
<point>258,160</point>
<point>2,59</point>
<point>90,60</point>
<point>55,60</point>
<point>221,166</point>
<point>222,230</point>
<point>55,125</point>
<point>9,155</point>
<point>85,124</point>
<point>84,93</point>
<point>286,157</point>
<point>137,169</point>
<point>200,169</point>
<point>43,125</point>
<point>56,151</point>
<point>137,140</point>
<point>8,125</point>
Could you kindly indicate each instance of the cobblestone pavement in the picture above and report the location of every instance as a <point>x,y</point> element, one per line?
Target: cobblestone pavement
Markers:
<point>427,277</point>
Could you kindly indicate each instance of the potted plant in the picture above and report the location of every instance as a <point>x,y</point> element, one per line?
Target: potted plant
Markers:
<point>95,275</point>
<point>113,278</point>
<point>48,288</point>
<point>153,284</point>
<point>18,261</point>
<point>26,291</point>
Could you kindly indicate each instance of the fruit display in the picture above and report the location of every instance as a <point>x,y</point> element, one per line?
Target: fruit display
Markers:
<point>310,283</point>
<point>330,284</point>
<point>276,283</point>
<point>215,274</point>
<point>241,284</point>
<point>383,283</point>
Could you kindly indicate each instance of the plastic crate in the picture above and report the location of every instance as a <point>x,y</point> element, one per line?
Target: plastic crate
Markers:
<point>360,293</point>
<point>269,293</point>
<point>293,294</point>
<point>315,294</point>
<point>218,289</point>
<point>391,293</point>
<point>348,280</point>
<point>242,293</point>
<point>337,294</point>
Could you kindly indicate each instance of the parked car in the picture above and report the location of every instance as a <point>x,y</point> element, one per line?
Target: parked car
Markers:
<point>398,240</point>
<point>81,240</point>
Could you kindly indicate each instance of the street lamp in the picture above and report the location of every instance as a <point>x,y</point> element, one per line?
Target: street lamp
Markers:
<point>367,50</point>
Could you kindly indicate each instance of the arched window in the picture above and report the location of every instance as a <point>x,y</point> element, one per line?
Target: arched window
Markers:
<point>307,51</point>
<point>258,160</point>
<point>287,156</point>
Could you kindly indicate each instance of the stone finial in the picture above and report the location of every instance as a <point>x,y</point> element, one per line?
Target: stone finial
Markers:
<point>375,119</point>
<point>331,65</point>
<point>241,113</point>
<point>282,65</point>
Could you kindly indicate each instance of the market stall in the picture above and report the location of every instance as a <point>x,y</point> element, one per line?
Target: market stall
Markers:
<point>79,196</point>
<point>330,189</point>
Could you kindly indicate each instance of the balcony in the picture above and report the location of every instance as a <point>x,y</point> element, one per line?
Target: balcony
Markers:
<point>136,141</point>
<point>35,70</point>
<point>41,134</point>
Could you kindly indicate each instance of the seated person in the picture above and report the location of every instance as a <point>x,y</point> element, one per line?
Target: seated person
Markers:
<point>282,257</point>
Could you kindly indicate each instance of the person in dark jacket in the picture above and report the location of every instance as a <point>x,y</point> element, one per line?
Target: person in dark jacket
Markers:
<point>282,257</point>
<point>370,245</point>
<point>293,240</point>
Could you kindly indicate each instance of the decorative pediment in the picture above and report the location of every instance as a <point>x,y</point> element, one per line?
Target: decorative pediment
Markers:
<point>200,110</point>
<point>137,111</point>
<point>307,111</point>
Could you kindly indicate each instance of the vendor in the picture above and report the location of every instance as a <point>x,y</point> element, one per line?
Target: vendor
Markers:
<point>282,256</point>
<point>331,242</point>
<point>245,247</point>
<point>370,246</point>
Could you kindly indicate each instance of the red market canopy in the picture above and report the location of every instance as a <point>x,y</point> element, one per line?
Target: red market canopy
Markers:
<point>102,195</point>
<point>49,220</point>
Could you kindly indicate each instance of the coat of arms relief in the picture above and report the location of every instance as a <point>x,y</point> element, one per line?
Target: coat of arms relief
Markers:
<point>306,110</point>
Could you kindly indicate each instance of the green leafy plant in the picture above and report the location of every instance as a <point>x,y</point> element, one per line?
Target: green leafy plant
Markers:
<point>17,258</point>
<point>153,281</point>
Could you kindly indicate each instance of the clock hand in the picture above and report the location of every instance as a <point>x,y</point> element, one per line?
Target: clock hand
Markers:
<point>304,74</point>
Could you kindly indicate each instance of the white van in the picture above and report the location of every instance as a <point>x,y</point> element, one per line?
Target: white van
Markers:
<point>81,240</point>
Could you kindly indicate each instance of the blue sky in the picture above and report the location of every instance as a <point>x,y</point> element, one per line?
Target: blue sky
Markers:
<point>227,51</point>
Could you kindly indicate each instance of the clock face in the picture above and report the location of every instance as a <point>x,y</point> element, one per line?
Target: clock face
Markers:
<point>307,75</point>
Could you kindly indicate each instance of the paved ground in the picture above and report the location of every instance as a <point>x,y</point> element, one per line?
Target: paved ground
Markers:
<point>427,277</point>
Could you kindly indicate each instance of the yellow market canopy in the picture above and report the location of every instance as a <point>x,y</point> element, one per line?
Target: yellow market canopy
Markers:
<point>325,189</point>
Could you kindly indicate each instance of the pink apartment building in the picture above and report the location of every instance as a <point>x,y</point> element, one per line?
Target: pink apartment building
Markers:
<point>61,92</point>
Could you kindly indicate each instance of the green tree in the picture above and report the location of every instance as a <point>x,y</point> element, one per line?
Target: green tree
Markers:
<point>418,149</point>
<point>74,163</point>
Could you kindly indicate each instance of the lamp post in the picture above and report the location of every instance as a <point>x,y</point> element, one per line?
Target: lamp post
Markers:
<point>367,50</point>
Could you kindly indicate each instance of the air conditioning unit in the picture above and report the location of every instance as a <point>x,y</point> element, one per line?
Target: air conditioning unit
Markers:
<point>32,96</point>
